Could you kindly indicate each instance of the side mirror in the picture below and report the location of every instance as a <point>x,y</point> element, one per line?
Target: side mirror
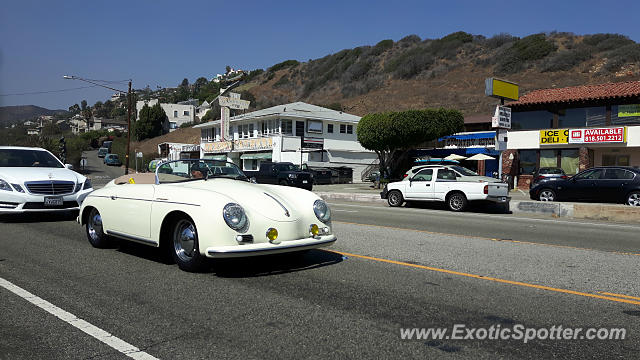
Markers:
<point>253,180</point>
<point>68,166</point>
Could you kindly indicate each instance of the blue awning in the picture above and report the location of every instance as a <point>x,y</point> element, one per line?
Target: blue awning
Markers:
<point>483,135</point>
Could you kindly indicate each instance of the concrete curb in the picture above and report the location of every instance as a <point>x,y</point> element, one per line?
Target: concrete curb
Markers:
<point>588,211</point>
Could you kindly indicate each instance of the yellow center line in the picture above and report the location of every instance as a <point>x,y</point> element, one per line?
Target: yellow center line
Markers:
<point>485,238</point>
<point>518,283</point>
<point>618,295</point>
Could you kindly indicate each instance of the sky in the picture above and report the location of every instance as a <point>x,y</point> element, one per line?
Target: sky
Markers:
<point>159,43</point>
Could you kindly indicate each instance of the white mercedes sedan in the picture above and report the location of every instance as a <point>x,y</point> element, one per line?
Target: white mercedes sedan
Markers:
<point>34,180</point>
<point>198,209</point>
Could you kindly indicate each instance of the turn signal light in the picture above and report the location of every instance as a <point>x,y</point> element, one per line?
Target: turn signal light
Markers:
<point>272,234</point>
<point>314,230</point>
<point>486,189</point>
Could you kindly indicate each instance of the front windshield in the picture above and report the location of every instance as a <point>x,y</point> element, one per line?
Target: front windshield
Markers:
<point>463,170</point>
<point>195,169</point>
<point>28,158</point>
<point>287,167</point>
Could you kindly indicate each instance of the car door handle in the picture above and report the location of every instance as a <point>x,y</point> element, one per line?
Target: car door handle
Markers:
<point>113,197</point>
<point>427,184</point>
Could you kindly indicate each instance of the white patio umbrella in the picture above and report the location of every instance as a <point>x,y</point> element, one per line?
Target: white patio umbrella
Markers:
<point>481,157</point>
<point>455,157</point>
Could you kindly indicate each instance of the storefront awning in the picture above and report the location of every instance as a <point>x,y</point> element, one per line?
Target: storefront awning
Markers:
<point>222,157</point>
<point>253,156</point>
<point>484,135</point>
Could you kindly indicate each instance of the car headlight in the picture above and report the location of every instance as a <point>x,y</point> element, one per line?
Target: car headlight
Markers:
<point>87,184</point>
<point>323,213</point>
<point>5,186</point>
<point>235,217</point>
<point>292,176</point>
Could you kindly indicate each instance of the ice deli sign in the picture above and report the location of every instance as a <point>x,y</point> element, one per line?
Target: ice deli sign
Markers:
<point>583,136</point>
<point>238,145</point>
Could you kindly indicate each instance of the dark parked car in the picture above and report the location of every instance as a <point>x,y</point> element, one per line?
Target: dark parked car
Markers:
<point>102,152</point>
<point>547,173</point>
<point>282,173</point>
<point>601,184</point>
<point>321,175</point>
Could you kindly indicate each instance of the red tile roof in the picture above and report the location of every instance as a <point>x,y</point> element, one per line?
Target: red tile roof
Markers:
<point>580,93</point>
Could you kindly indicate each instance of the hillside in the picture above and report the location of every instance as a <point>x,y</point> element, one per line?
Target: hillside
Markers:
<point>414,73</point>
<point>16,114</point>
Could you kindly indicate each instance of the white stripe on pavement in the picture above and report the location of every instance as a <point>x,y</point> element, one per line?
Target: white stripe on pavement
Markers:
<point>116,343</point>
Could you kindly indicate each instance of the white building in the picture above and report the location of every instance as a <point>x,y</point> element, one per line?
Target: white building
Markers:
<point>298,133</point>
<point>178,114</point>
<point>177,151</point>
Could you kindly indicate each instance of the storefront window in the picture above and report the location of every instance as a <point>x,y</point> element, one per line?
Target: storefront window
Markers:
<point>531,120</point>
<point>619,115</point>
<point>528,161</point>
<point>548,158</point>
<point>615,160</point>
<point>569,161</point>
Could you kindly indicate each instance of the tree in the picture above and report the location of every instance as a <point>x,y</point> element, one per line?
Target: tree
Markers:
<point>185,83</point>
<point>228,69</point>
<point>151,122</point>
<point>392,134</point>
<point>83,105</point>
<point>74,109</point>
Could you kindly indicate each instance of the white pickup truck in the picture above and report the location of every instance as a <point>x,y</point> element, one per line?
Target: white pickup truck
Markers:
<point>442,183</point>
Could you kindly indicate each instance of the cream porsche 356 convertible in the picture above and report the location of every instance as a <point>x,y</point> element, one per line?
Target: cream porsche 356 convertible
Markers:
<point>199,209</point>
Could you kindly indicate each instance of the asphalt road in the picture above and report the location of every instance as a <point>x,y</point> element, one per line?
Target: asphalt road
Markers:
<point>390,269</point>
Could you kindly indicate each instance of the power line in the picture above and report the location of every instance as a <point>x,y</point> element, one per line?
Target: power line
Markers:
<point>49,91</point>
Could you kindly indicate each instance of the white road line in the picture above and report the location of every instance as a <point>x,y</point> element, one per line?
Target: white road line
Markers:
<point>492,216</point>
<point>116,343</point>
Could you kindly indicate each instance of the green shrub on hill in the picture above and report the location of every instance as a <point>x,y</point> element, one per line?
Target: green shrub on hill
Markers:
<point>283,65</point>
<point>523,52</point>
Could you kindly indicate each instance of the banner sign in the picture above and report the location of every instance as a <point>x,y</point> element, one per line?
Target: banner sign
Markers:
<point>552,137</point>
<point>583,136</point>
<point>597,135</point>
<point>224,123</point>
<point>233,103</point>
<point>628,110</point>
<point>501,118</point>
<point>238,145</point>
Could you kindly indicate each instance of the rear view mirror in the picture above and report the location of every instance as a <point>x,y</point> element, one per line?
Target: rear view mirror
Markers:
<point>253,180</point>
<point>68,166</point>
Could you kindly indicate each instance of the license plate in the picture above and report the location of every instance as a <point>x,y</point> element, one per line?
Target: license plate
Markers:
<point>304,181</point>
<point>53,201</point>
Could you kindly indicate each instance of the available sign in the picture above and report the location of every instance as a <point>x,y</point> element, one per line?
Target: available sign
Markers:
<point>551,137</point>
<point>597,135</point>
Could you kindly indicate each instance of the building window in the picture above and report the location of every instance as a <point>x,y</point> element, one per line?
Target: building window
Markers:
<point>185,113</point>
<point>615,160</point>
<point>330,128</point>
<point>620,115</point>
<point>528,161</point>
<point>287,127</point>
<point>175,113</point>
<point>531,120</point>
<point>299,128</point>
<point>250,164</point>
<point>349,129</point>
<point>548,158</point>
<point>570,161</point>
<point>314,126</point>
<point>343,128</point>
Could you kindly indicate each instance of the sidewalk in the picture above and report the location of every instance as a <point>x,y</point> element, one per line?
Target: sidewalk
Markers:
<point>520,204</point>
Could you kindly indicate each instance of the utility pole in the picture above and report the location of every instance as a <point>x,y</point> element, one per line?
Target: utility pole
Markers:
<point>126,169</point>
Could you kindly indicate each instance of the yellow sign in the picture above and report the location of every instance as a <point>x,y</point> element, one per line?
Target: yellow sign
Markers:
<point>131,181</point>
<point>501,89</point>
<point>554,136</point>
<point>628,110</point>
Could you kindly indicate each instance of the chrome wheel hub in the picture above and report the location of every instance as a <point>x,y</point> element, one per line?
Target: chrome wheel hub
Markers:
<point>634,199</point>
<point>394,198</point>
<point>184,240</point>
<point>95,225</point>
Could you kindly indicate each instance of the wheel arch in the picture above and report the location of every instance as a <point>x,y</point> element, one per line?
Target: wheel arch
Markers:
<point>85,214</point>
<point>168,220</point>
<point>454,192</point>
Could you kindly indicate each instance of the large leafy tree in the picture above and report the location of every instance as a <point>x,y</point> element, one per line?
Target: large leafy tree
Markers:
<point>392,134</point>
<point>151,122</point>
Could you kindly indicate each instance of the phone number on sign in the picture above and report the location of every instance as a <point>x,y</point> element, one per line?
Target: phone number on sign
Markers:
<point>603,138</point>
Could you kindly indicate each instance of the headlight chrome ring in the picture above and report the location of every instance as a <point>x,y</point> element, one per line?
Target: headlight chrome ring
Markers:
<point>235,217</point>
<point>322,211</point>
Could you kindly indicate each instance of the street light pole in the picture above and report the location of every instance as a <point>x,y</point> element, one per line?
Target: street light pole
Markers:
<point>72,77</point>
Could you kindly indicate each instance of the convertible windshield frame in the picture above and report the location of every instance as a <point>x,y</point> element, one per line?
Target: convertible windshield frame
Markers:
<point>185,170</point>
